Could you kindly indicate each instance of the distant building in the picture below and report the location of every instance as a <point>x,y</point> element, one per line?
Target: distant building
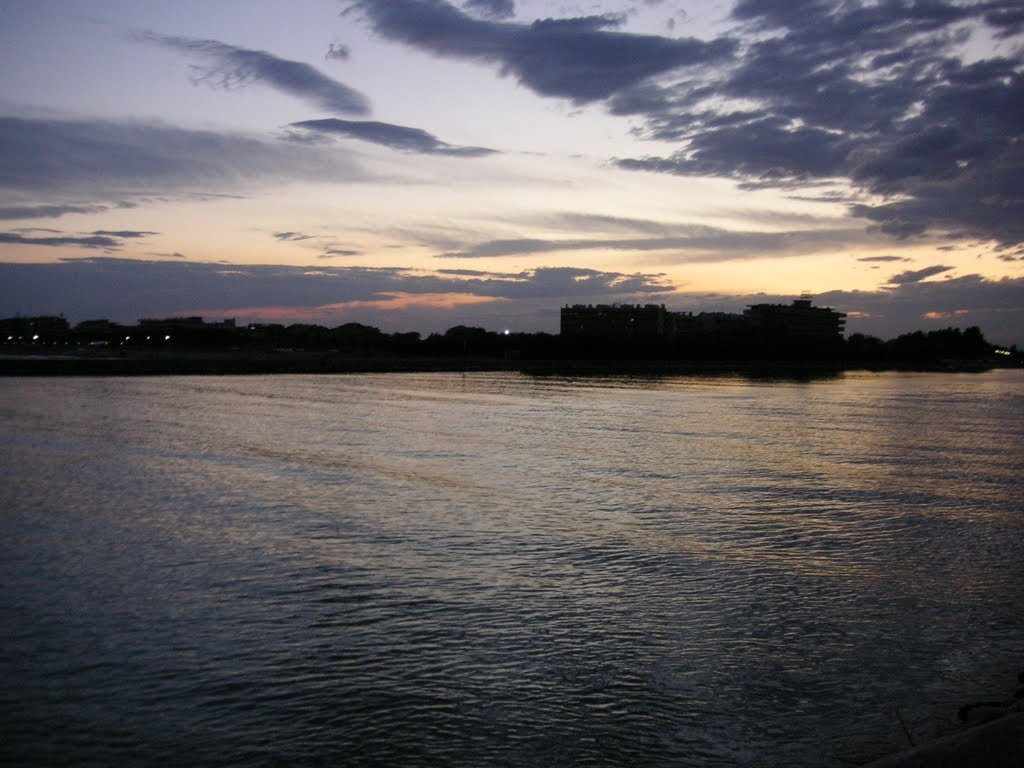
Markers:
<point>711,323</point>
<point>32,328</point>
<point>96,326</point>
<point>798,321</point>
<point>171,322</point>
<point>265,329</point>
<point>616,320</point>
<point>184,324</point>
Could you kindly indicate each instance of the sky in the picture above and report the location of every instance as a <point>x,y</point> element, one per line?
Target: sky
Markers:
<point>421,164</point>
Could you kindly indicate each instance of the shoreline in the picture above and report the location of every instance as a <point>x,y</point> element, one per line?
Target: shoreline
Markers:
<point>232,363</point>
<point>997,742</point>
<point>990,735</point>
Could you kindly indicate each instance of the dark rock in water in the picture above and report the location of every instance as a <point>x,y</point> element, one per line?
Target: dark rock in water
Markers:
<point>1019,693</point>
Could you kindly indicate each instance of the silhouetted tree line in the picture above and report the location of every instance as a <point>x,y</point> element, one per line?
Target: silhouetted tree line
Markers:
<point>920,346</point>
<point>357,340</point>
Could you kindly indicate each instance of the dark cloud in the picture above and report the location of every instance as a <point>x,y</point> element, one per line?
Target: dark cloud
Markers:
<point>917,275</point>
<point>398,137</point>
<point>479,273</point>
<point>86,241</point>
<point>491,9</point>
<point>1008,21</point>
<point>113,160</point>
<point>579,59</point>
<point>47,211</point>
<point>124,233</point>
<point>292,236</point>
<point>758,149</point>
<point>337,51</point>
<point>333,253</point>
<point>876,94</point>
<point>234,67</point>
<point>873,94</point>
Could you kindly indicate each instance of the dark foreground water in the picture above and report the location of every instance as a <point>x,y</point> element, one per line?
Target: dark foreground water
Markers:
<point>476,570</point>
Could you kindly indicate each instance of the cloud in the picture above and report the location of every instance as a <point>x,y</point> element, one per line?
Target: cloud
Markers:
<point>100,238</point>
<point>291,236</point>
<point>124,233</point>
<point>397,137</point>
<point>234,67</point>
<point>491,9</point>
<point>47,211</point>
<point>579,59</point>
<point>875,95</point>
<point>688,243</point>
<point>883,258</point>
<point>337,51</point>
<point>479,273</point>
<point>116,160</point>
<point>87,241</point>
<point>589,222</point>
<point>332,253</point>
<point>917,275</point>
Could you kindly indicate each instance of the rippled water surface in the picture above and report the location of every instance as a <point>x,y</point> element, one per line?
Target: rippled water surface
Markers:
<point>492,569</point>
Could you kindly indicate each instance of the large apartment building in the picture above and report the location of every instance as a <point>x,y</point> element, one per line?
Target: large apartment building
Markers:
<point>799,321</point>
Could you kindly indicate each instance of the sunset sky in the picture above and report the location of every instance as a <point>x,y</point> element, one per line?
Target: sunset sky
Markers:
<point>419,164</point>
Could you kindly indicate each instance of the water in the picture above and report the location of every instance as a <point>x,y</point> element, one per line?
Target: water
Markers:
<point>490,569</point>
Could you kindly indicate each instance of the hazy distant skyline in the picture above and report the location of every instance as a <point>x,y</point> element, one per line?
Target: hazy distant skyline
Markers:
<point>418,164</point>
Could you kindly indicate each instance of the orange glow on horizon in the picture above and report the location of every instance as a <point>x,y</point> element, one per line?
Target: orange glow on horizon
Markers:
<point>331,312</point>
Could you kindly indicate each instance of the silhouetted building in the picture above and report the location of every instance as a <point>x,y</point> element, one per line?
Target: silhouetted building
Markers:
<point>25,328</point>
<point>798,321</point>
<point>101,326</point>
<point>616,320</point>
<point>183,323</point>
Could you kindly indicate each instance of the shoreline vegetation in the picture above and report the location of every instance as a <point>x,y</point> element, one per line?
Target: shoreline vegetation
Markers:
<point>47,346</point>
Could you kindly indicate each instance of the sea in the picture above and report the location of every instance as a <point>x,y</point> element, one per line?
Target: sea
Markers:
<point>497,569</point>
